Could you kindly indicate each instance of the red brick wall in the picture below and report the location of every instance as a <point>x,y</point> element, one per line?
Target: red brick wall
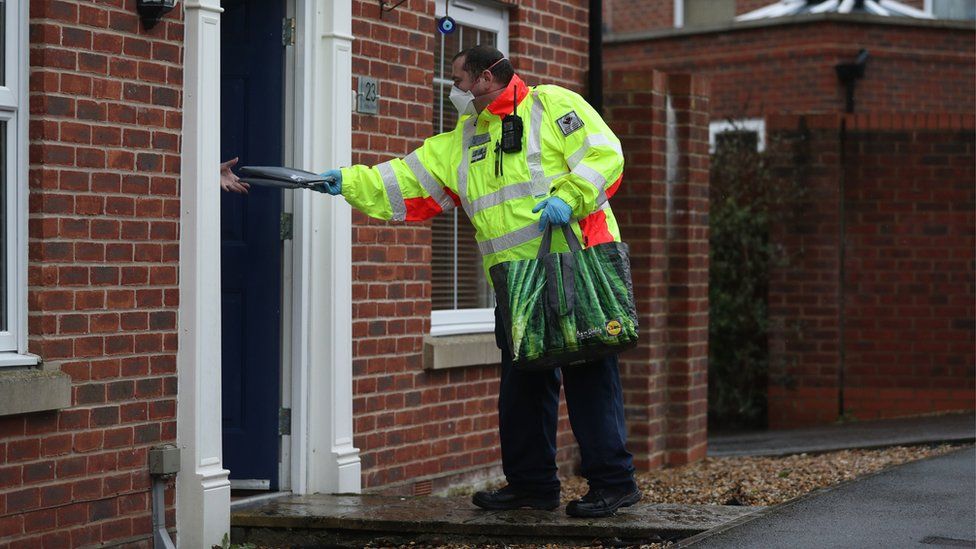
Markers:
<point>906,318</point>
<point>623,16</point>
<point>413,425</point>
<point>105,122</point>
<point>790,68</point>
<point>803,307</point>
<point>665,378</point>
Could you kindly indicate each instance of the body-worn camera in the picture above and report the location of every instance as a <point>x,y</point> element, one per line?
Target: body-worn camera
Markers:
<point>511,133</point>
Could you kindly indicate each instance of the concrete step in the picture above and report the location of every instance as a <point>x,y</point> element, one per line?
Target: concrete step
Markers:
<point>355,520</point>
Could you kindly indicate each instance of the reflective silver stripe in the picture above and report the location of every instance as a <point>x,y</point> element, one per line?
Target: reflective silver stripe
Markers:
<point>512,192</point>
<point>533,155</point>
<point>462,173</point>
<point>393,191</point>
<point>510,240</point>
<point>592,140</point>
<point>595,178</point>
<point>430,184</point>
<point>504,194</point>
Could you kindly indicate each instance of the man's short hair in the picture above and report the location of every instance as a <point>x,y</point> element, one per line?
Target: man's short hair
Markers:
<point>478,58</point>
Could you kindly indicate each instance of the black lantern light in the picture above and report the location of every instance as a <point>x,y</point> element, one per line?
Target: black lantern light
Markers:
<point>150,11</point>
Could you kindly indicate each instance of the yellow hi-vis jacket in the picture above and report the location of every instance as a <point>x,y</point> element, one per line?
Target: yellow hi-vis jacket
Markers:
<point>567,151</point>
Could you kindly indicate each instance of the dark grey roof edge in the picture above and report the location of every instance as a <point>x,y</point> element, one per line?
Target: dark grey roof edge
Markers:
<point>802,19</point>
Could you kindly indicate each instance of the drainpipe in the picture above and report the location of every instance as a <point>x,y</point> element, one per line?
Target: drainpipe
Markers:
<point>841,271</point>
<point>848,74</point>
<point>596,56</point>
<point>164,463</point>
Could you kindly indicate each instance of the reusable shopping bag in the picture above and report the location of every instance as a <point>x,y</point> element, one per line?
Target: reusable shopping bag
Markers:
<point>561,309</point>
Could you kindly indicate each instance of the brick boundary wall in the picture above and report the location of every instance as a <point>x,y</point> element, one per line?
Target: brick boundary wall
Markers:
<point>105,122</point>
<point>419,430</point>
<point>902,325</point>
<point>665,378</point>
<point>789,68</point>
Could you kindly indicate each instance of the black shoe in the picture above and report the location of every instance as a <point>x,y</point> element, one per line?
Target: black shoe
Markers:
<point>512,498</point>
<point>603,502</point>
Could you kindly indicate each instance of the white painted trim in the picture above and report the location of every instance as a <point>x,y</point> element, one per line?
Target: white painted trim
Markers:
<point>250,484</point>
<point>323,456</point>
<point>462,321</point>
<point>288,366</point>
<point>15,113</point>
<point>778,9</point>
<point>202,486</point>
<point>489,17</point>
<point>18,359</point>
<point>757,125</point>
<point>484,16</point>
<point>679,14</point>
<point>885,8</point>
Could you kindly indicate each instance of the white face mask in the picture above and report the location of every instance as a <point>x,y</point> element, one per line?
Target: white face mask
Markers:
<point>463,101</point>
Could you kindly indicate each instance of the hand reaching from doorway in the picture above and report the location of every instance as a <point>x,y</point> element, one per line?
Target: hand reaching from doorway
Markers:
<point>229,180</point>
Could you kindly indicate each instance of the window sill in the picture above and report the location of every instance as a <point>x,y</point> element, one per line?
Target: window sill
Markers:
<point>443,352</point>
<point>25,390</point>
<point>462,321</point>
<point>17,359</point>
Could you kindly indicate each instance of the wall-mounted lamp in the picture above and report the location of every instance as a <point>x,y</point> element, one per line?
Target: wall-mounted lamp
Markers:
<point>850,73</point>
<point>150,11</point>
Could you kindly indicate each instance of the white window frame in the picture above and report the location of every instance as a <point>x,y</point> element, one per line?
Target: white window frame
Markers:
<point>679,14</point>
<point>490,18</point>
<point>13,111</point>
<point>757,125</point>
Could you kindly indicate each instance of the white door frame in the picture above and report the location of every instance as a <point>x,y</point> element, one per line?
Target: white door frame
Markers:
<point>202,486</point>
<point>323,458</point>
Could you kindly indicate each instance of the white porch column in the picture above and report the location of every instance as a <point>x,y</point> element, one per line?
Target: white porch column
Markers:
<point>202,488</point>
<point>325,459</point>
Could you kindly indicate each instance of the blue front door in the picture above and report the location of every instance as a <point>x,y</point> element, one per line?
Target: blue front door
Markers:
<point>251,110</point>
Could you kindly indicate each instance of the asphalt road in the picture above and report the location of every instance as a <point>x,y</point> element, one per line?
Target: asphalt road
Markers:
<point>928,503</point>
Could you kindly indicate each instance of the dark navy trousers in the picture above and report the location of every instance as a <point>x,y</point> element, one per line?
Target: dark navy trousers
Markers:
<point>528,408</point>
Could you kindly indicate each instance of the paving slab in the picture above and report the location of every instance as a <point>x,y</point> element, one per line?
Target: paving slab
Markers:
<point>859,434</point>
<point>927,503</point>
<point>298,519</point>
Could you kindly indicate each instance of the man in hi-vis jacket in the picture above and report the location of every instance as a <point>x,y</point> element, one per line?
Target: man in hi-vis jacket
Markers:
<point>568,166</point>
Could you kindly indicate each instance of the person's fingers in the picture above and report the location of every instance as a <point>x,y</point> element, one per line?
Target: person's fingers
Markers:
<point>229,164</point>
<point>539,206</point>
<point>238,187</point>
<point>543,222</point>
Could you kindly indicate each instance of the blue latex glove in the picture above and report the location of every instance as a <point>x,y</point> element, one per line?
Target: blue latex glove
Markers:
<point>332,184</point>
<point>554,210</point>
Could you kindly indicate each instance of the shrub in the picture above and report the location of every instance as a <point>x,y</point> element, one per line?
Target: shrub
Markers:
<point>747,199</point>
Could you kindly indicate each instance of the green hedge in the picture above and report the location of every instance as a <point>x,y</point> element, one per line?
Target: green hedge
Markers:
<point>747,199</point>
